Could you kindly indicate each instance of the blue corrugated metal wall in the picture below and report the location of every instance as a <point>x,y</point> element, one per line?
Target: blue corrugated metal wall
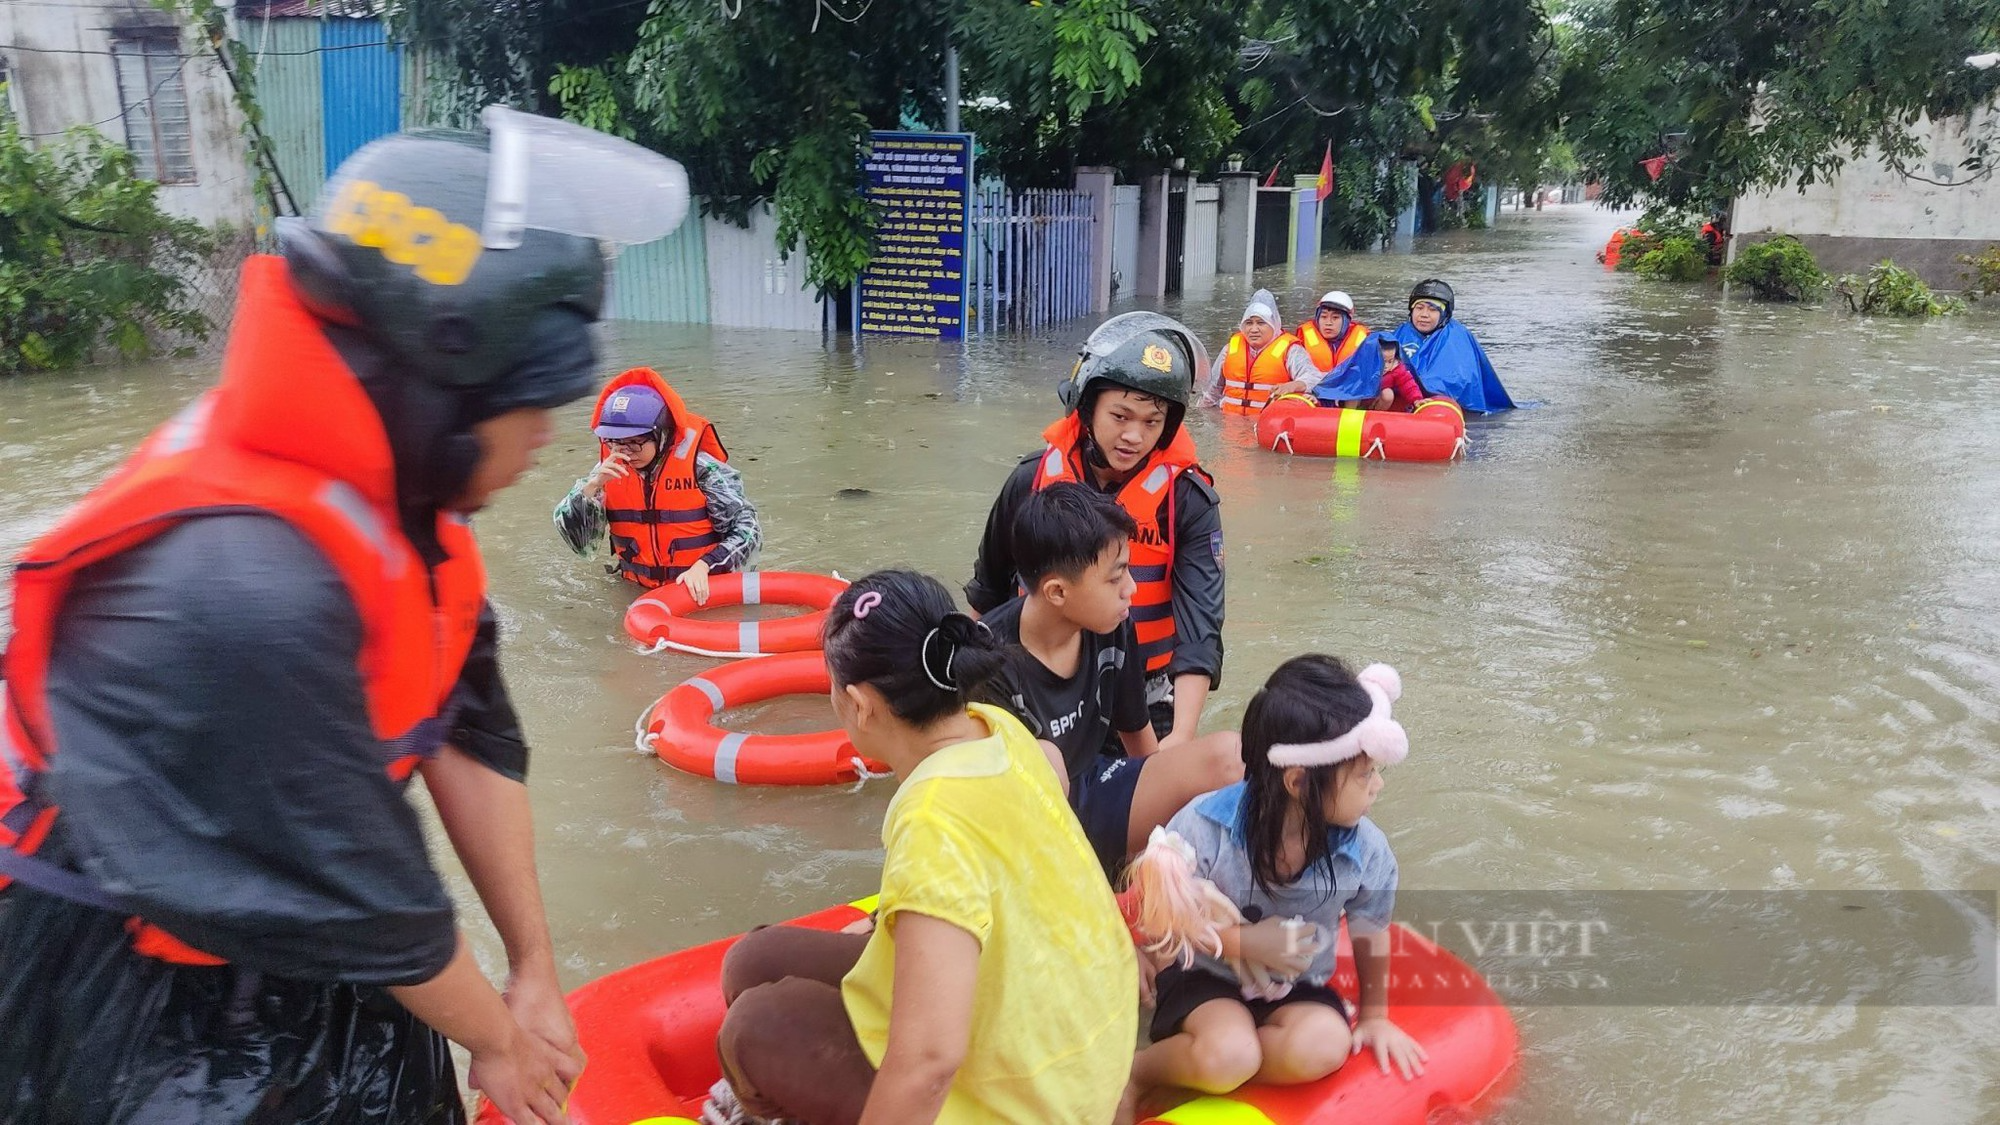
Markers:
<point>329,86</point>
<point>361,86</point>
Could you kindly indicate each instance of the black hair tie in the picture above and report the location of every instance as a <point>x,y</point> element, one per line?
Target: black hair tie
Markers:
<point>941,645</point>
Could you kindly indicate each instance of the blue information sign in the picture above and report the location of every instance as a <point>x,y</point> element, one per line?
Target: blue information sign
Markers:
<point>921,187</point>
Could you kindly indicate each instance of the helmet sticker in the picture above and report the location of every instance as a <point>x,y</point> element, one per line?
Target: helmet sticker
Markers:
<point>621,402</point>
<point>1157,358</point>
<point>442,251</point>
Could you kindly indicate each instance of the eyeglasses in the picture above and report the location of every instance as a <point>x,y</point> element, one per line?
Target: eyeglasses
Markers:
<point>632,443</point>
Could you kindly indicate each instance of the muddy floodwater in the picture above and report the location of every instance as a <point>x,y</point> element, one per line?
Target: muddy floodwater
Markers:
<point>1722,612</point>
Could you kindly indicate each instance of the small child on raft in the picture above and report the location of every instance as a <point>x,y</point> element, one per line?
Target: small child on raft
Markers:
<point>1400,389</point>
<point>1292,840</point>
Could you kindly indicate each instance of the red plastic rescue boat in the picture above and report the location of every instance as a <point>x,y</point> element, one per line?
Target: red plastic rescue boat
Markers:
<point>1435,431</point>
<point>650,1033</point>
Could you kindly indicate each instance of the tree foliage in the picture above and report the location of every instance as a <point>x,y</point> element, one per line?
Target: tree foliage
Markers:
<point>86,256</point>
<point>1741,96</point>
<point>773,99</point>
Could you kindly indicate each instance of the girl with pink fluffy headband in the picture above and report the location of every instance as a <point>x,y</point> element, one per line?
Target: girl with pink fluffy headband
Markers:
<point>1244,891</point>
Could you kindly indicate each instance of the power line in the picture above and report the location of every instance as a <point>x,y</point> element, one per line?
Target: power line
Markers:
<point>147,100</point>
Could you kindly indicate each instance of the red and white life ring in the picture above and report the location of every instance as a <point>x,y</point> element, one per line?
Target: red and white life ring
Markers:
<point>660,618</point>
<point>680,727</point>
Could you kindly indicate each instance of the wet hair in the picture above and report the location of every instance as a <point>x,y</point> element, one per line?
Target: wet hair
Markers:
<point>900,633</point>
<point>1311,698</point>
<point>1063,529</point>
<point>1388,343</point>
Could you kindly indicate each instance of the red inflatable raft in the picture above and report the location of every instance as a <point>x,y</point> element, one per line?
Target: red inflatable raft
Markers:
<point>1435,431</point>
<point>680,727</point>
<point>650,1033</point>
<point>663,617</point>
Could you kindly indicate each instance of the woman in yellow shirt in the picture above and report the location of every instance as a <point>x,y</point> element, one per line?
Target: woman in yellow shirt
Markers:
<point>999,983</point>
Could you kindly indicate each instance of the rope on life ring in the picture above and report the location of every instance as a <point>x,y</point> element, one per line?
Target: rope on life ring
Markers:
<point>680,727</point>
<point>662,617</point>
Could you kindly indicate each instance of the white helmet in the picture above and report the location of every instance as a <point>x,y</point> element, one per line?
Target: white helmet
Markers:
<point>1338,300</point>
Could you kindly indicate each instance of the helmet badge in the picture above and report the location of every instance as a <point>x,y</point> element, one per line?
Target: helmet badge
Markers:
<point>1157,358</point>
<point>620,402</point>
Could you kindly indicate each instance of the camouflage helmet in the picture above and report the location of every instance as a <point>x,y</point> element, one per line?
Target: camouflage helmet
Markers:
<point>1148,352</point>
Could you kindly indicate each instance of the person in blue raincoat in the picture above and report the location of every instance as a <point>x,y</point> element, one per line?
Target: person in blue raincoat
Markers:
<point>1442,353</point>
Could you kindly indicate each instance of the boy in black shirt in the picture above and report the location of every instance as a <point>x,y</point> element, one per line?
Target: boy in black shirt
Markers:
<point>1073,674</point>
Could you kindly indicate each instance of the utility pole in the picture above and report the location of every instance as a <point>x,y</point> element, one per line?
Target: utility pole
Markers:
<point>950,89</point>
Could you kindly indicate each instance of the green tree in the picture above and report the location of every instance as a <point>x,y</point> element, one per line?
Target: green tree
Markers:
<point>764,99</point>
<point>1740,96</point>
<point>1435,81</point>
<point>86,256</point>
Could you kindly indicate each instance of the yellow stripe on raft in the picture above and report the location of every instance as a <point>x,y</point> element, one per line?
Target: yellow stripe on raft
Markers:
<point>1348,442</point>
<point>866,905</point>
<point>667,1121</point>
<point>1216,1111</point>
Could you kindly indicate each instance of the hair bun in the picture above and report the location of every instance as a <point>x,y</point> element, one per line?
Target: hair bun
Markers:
<point>960,630</point>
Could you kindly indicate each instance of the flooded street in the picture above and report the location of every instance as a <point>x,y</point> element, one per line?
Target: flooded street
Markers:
<point>1722,612</point>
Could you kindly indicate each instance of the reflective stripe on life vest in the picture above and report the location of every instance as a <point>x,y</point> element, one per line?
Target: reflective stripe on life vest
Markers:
<point>1325,356</point>
<point>1149,498</point>
<point>658,518</point>
<point>1247,384</point>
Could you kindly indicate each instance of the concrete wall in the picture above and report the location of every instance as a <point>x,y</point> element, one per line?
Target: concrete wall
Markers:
<point>1868,212</point>
<point>59,63</point>
<point>1236,223</point>
<point>1124,238</point>
<point>1100,183</point>
<point>1198,263</point>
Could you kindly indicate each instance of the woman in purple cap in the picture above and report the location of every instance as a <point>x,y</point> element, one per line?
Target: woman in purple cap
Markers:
<point>663,491</point>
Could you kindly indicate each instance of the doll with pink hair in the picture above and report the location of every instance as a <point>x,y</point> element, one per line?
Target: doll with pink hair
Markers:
<point>1244,892</point>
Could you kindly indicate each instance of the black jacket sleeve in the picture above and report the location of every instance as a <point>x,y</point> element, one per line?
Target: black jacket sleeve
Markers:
<point>993,579</point>
<point>1197,578</point>
<point>484,724</point>
<point>216,766</point>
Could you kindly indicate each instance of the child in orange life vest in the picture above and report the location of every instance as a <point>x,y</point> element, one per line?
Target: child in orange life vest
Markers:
<point>1259,359</point>
<point>663,492</point>
<point>1075,678</point>
<point>1329,338</point>
<point>1291,841</point>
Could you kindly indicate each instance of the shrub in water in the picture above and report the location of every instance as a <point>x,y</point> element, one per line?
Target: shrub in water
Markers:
<point>1982,278</point>
<point>1778,269</point>
<point>1679,258</point>
<point>1891,290</point>
<point>87,258</point>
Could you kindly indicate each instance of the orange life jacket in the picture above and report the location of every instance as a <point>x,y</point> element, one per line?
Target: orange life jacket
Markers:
<point>1152,562</point>
<point>658,519</point>
<point>288,431</point>
<point>1246,384</point>
<point>1325,356</point>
